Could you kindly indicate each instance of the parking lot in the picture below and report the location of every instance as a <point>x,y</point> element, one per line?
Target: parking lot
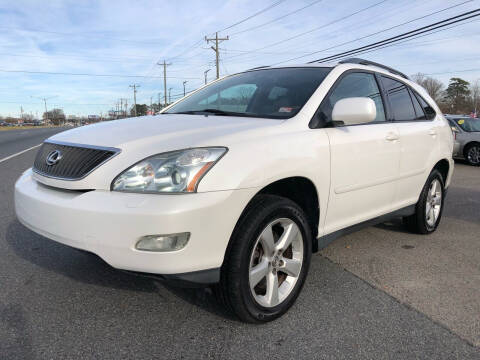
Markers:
<point>377,293</point>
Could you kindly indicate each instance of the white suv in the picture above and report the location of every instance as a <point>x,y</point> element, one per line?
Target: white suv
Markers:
<point>238,183</point>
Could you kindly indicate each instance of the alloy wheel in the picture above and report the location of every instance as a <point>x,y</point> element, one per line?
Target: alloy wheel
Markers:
<point>276,262</point>
<point>473,155</point>
<point>434,203</point>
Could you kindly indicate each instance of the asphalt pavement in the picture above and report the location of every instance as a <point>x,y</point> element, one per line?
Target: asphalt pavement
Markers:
<point>58,302</point>
<point>13,141</point>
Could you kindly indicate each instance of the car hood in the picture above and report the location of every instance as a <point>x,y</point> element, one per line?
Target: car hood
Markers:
<point>141,137</point>
<point>166,132</point>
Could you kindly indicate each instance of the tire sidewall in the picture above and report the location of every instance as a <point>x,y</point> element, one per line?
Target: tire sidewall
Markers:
<point>293,213</point>
<point>467,150</point>
<point>435,175</point>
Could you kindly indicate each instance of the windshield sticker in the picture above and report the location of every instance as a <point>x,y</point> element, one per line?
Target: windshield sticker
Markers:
<point>285,109</point>
<point>460,122</point>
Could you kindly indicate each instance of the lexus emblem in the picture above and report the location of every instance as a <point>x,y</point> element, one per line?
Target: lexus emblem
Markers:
<point>54,157</point>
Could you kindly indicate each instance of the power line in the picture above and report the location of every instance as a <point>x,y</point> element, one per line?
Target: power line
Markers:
<point>375,33</point>
<point>198,43</point>
<point>94,75</point>
<point>276,19</point>
<point>253,15</point>
<point>314,29</point>
<point>406,35</point>
<point>401,41</point>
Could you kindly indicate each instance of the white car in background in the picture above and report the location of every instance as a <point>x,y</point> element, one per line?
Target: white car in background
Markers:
<point>239,182</point>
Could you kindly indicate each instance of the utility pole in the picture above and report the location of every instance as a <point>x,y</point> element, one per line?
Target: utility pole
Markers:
<point>159,96</point>
<point>164,64</point>
<point>135,86</point>
<point>216,49</point>
<point>169,95</point>
<point>44,99</point>
<point>123,105</point>
<point>184,87</point>
<point>151,112</point>
<point>205,73</point>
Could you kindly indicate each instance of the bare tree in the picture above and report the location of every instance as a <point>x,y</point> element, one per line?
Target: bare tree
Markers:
<point>433,86</point>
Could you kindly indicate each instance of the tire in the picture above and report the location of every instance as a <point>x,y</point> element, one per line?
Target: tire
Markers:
<point>250,259</point>
<point>472,154</point>
<point>422,222</point>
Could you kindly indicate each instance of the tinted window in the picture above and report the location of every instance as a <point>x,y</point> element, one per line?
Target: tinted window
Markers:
<point>268,93</point>
<point>469,125</point>
<point>418,108</point>
<point>429,112</point>
<point>353,85</point>
<point>400,101</point>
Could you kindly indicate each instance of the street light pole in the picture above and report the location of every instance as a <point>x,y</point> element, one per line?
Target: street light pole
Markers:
<point>205,73</point>
<point>184,87</point>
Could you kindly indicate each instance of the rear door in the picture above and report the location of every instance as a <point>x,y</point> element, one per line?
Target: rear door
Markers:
<point>417,129</point>
<point>364,158</point>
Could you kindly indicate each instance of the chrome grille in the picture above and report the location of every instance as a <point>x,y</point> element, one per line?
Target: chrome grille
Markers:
<point>76,161</point>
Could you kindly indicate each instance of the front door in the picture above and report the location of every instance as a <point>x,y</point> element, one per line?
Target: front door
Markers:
<point>364,158</point>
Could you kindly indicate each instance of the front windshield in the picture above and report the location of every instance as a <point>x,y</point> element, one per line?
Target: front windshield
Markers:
<point>469,124</point>
<point>267,93</point>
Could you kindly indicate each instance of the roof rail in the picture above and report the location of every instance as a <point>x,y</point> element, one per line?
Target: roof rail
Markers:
<point>368,62</point>
<point>259,67</point>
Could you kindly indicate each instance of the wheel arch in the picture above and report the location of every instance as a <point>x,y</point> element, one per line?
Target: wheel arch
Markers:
<point>443,166</point>
<point>299,189</point>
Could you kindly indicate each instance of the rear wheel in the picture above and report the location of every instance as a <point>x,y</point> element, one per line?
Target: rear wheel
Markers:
<point>268,260</point>
<point>429,208</point>
<point>472,154</point>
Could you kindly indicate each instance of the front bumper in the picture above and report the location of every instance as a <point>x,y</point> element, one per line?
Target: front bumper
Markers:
<point>110,223</point>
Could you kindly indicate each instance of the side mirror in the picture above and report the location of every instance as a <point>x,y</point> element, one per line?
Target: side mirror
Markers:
<point>354,110</point>
<point>454,129</point>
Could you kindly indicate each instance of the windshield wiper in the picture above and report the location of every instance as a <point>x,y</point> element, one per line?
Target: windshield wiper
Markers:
<point>216,112</point>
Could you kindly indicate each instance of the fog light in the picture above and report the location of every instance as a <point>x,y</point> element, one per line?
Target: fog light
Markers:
<point>161,243</point>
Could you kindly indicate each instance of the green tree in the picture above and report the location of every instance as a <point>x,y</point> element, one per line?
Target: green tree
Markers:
<point>141,110</point>
<point>457,95</point>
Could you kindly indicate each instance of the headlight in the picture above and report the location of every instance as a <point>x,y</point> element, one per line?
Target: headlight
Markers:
<point>172,172</point>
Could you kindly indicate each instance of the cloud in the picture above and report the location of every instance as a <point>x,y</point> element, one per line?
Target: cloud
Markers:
<point>125,37</point>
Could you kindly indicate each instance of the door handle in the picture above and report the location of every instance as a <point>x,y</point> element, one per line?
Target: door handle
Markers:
<point>432,132</point>
<point>391,136</point>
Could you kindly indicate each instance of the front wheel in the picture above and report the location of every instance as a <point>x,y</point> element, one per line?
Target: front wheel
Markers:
<point>267,261</point>
<point>472,154</point>
<point>429,208</point>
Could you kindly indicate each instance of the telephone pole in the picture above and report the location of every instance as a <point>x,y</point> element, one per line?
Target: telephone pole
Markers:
<point>135,86</point>
<point>205,73</point>
<point>164,64</point>
<point>169,95</point>
<point>184,87</point>
<point>44,99</point>
<point>215,48</point>
<point>123,104</point>
<point>159,96</point>
<point>151,112</point>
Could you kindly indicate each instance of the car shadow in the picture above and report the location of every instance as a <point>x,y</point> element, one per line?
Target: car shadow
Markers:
<point>90,269</point>
<point>395,225</point>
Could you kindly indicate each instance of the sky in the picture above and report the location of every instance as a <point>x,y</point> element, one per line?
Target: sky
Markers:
<point>41,42</point>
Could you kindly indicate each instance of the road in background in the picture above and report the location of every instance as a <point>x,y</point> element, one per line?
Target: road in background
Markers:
<point>58,302</point>
<point>14,141</point>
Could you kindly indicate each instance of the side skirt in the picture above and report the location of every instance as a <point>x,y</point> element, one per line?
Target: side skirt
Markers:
<point>324,241</point>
